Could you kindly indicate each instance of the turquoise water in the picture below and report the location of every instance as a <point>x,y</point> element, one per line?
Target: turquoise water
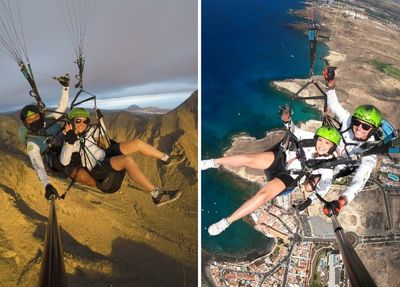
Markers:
<point>245,45</point>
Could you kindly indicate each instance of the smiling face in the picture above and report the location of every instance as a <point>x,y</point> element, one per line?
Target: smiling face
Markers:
<point>361,129</point>
<point>323,146</point>
<point>80,124</point>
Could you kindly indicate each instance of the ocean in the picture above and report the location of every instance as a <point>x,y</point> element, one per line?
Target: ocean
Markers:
<point>245,45</point>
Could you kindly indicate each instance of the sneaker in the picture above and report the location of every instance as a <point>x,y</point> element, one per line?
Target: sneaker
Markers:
<point>166,159</point>
<point>166,196</point>
<point>208,163</point>
<point>218,227</point>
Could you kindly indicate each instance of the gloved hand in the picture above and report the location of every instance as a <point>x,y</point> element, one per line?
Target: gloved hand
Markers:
<point>99,114</point>
<point>64,80</point>
<point>50,190</point>
<point>71,137</point>
<point>329,73</point>
<point>334,207</point>
<point>286,113</point>
<point>303,205</point>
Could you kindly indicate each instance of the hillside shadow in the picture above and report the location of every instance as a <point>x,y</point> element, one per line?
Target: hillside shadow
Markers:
<point>137,264</point>
<point>22,206</point>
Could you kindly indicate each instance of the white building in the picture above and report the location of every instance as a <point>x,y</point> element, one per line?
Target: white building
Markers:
<point>335,268</point>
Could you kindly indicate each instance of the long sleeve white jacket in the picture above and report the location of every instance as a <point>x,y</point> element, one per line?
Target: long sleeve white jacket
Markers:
<point>293,164</point>
<point>33,149</point>
<point>87,147</point>
<point>349,146</point>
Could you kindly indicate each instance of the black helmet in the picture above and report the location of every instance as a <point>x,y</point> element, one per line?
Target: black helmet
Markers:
<point>28,111</point>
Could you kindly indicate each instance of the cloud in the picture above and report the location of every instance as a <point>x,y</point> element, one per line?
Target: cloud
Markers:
<point>131,46</point>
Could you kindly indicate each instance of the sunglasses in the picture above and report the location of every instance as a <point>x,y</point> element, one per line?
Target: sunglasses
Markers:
<point>356,122</point>
<point>78,121</point>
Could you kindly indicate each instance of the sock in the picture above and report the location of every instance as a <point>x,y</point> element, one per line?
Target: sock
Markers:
<point>155,192</point>
<point>166,158</point>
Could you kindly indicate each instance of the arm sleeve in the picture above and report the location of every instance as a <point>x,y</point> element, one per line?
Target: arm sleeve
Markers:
<point>66,153</point>
<point>299,133</point>
<point>62,104</point>
<point>324,183</point>
<point>37,162</point>
<point>336,107</point>
<point>360,178</point>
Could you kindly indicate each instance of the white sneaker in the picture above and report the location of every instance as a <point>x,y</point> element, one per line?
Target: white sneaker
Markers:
<point>218,227</point>
<point>208,163</point>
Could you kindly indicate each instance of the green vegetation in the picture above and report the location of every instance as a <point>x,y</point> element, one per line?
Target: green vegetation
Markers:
<point>316,282</point>
<point>276,250</point>
<point>389,69</point>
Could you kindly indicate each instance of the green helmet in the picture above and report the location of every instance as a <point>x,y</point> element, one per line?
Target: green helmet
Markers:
<point>78,113</point>
<point>368,114</point>
<point>330,133</point>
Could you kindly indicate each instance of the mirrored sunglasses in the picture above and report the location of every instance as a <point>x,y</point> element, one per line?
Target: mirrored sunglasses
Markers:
<point>78,121</point>
<point>356,122</point>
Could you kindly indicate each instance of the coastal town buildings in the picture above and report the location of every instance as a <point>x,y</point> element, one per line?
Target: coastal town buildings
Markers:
<point>335,269</point>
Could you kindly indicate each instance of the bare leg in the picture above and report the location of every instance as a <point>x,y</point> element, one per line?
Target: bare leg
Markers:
<point>81,175</point>
<point>137,145</point>
<point>268,192</point>
<point>123,162</point>
<point>261,160</point>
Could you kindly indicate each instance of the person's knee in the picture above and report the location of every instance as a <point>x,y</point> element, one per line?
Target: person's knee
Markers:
<point>136,142</point>
<point>264,193</point>
<point>129,161</point>
<point>82,176</point>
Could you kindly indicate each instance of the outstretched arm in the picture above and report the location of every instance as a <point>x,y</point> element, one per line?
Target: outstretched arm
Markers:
<point>299,133</point>
<point>360,178</point>
<point>62,104</point>
<point>336,107</point>
<point>37,162</point>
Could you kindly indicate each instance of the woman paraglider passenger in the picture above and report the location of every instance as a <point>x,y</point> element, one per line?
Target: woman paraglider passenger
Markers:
<point>108,166</point>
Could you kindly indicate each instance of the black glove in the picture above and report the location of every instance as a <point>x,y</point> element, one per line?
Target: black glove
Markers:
<point>71,137</point>
<point>64,80</point>
<point>50,190</point>
<point>303,205</point>
<point>334,207</point>
<point>285,109</point>
<point>329,73</point>
<point>99,114</point>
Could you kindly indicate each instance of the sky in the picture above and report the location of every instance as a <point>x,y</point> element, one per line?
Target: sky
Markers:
<point>143,51</point>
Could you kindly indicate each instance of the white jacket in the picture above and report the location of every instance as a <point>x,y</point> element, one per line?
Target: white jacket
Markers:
<point>293,164</point>
<point>88,148</point>
<point>33,149</point>
<point>367,163</point>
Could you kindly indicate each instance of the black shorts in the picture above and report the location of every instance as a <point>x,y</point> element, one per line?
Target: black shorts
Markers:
<point>277,170</point>
<point>113,150</point>
<point>101,170</point>
<point>107,179</point>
